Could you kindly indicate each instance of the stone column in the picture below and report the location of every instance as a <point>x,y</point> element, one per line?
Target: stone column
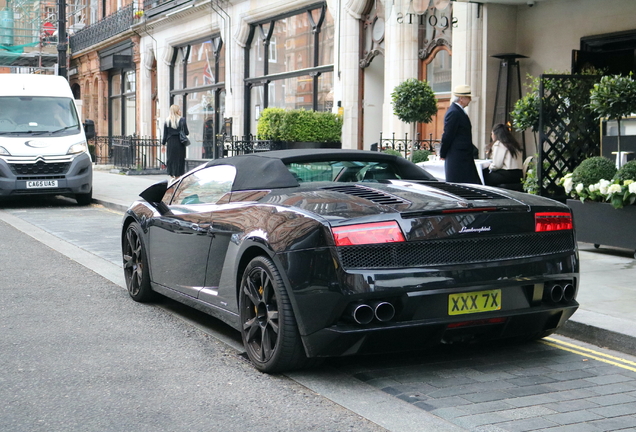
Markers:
<point>347,70</point>
<point>468,64</point>
<point>401,61</point>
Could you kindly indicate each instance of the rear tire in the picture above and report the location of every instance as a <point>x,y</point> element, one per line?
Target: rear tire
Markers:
<point>268,326</point>
<point>136,270</point>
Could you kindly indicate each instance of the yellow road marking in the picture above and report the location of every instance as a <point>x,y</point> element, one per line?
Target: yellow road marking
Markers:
<point>589,350</point>
<point>586,352</point>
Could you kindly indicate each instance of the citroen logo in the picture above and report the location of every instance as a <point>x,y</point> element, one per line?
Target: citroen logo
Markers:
<point>36,143</point>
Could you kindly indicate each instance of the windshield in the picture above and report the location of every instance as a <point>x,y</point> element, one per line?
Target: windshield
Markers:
<point>343,171</point>
<point>37,114</point>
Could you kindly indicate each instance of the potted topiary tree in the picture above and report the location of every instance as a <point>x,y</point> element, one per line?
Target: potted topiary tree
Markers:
<point>525,114</point>
<point>414,102</point>
<point>603,202</point>
<point>614,97</point>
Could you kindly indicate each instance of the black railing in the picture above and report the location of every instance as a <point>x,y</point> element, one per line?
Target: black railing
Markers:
<point>110,26</point>
<point>233,146</point>
<point>101,150</point>
<point>141,153</point>
<point>129,152</point>
<point>149,4</point>
<point>405,145</point>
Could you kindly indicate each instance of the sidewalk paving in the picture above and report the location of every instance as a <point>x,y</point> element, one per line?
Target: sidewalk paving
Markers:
<point>607,291</point>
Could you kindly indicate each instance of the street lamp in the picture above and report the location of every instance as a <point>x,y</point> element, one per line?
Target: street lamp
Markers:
<point>62,41</point>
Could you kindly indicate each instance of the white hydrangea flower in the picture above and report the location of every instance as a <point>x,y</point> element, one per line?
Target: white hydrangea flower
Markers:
<point>579,188</point>
<point>603,185</point>
<point>567,184</point>
<point>594,187</point>
<point>632,187</point>
<point>614,188</point>
<point>628,182</point>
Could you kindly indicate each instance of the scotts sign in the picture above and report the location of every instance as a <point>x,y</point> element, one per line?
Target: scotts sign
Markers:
<point>432,13</point>
<point>432,20</point>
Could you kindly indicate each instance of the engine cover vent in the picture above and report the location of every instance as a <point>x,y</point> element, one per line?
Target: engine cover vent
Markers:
<point>465,192</point>
<point>373,195</point>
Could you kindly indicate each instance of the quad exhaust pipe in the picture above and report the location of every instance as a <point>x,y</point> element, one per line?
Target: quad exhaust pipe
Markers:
<point>383,311</point>
<point>557,293</point>
<point>363,313</point>
<point>568,292</point>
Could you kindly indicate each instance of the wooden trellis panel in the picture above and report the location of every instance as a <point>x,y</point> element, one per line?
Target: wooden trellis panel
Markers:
<point>568,130</point>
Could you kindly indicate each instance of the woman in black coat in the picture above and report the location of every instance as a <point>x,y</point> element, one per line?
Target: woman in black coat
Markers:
<point>176,152</point>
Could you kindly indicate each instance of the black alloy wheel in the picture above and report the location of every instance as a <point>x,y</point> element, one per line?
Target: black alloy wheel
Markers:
<point>268,326</point>
<point>136,265</point>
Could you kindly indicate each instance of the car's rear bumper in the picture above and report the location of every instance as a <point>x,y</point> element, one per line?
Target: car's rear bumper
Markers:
<point>422,299</point>
<point>391,337</point>
<point>76,179</point>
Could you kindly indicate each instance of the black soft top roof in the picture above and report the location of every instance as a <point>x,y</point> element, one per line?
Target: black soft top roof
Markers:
<point>267,170</point>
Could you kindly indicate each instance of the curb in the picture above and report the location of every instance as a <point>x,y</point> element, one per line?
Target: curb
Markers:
<point>599,336</point>
<point>111,205</point>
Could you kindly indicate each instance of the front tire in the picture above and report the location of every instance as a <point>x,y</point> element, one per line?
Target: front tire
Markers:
<point>84,199</point>
<point>268,326</point>
<point>136,270</point>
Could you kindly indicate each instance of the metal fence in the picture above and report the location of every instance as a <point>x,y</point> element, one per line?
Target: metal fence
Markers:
<point>406,145</point>
<point>128,152</point>
<point>227,146</point>
<point>103,29</point>
<point>143,153</point>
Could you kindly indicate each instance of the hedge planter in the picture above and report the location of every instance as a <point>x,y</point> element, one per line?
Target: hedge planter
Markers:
<point>294,145</point>
<point>602,224</point>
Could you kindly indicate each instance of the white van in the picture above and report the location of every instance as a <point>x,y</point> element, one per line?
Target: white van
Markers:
<point>43,147</point>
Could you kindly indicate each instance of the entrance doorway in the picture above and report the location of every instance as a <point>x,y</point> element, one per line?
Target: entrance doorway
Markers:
<point>436,69</point>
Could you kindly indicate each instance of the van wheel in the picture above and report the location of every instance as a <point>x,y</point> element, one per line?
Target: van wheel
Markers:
<point>84,199</point>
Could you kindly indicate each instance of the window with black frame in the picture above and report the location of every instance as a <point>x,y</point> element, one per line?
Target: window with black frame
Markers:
<point>197,85</point>
<point>123,114</point>
<point>290,64</point>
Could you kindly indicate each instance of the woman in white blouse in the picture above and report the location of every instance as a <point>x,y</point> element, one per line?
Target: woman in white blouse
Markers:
<point>506,155</point>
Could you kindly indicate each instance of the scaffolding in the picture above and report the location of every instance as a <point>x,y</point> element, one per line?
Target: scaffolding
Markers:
<point>28,32</point>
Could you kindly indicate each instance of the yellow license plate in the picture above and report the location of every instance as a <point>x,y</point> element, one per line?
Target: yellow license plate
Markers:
<point>472,302</point>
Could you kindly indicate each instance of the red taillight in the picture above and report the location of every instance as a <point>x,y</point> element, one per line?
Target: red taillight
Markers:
<point>380,232</point>
<point>552,221</point>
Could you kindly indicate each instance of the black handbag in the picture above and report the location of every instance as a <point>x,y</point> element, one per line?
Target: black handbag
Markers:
<point>185,141</point>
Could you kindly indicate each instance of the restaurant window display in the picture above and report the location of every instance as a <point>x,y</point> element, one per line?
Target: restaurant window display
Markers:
<point>290,64</point>
<point>198,87</point>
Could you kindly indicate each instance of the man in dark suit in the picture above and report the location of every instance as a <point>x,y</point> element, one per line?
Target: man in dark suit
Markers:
<point>457,148</point>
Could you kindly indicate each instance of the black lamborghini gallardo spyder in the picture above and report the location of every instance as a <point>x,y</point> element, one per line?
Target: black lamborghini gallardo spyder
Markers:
<point>317,253</point>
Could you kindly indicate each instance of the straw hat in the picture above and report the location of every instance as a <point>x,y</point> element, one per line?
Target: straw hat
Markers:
<point>462,90</point>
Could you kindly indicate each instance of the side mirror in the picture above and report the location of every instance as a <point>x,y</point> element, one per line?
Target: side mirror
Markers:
<point>89,129</point>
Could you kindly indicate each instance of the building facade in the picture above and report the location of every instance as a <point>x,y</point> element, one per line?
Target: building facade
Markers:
<point>224,62</point>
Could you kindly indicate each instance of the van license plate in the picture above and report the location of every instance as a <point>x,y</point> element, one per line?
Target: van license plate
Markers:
<point>479,301</point>
<point>35,184</point>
